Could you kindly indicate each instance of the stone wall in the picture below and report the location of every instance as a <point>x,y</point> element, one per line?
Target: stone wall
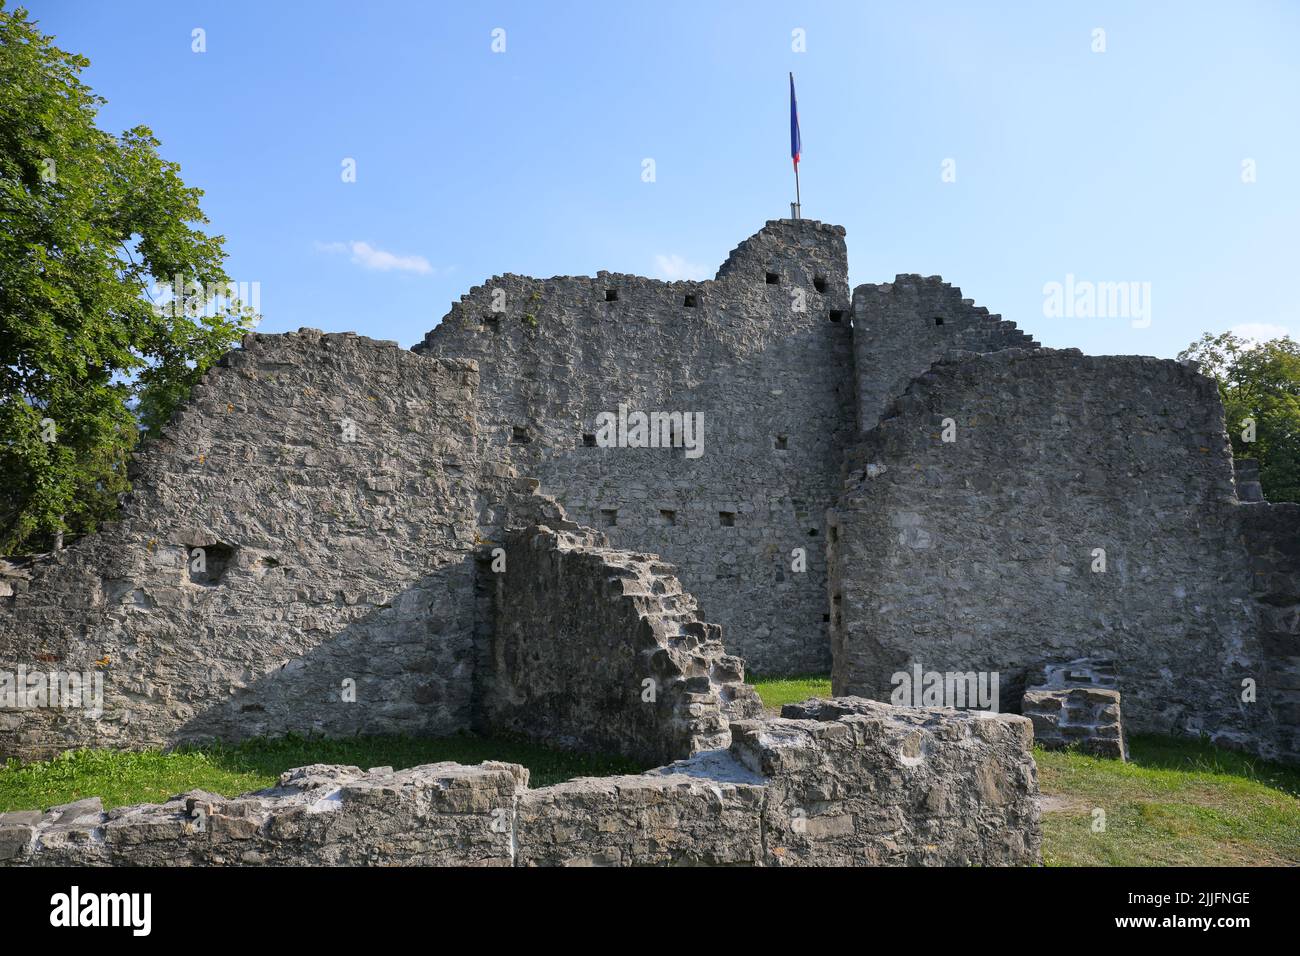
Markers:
<point>1272,534</point>
<point>857,782</point>
<point>598,649</point>
<point>775,389</point>
<point>326,560</point>
<point>348,530</point>
<point>848,782</point>
<point>901,327</point>
<point>339,493</point>
<point>978,555</point>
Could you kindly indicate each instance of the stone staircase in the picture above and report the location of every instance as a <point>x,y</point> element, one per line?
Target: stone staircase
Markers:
<point>639,608</point>
<point>713,681</point>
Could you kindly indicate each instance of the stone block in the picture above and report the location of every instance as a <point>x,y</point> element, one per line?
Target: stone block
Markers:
<point>1086,718</point>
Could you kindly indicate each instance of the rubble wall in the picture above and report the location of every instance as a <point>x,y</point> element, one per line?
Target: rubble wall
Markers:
<point>985,553</point>
<point>846,782</point>
<point>762,352</point>
<point>330,483</point>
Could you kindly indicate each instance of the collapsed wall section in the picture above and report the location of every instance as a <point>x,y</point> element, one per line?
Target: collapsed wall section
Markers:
<point>901,327</point>
<point>841,782</point>
<point>599,649</point>
<point>760,352</point>
<point>295,557</point>
<point>1084,507</point>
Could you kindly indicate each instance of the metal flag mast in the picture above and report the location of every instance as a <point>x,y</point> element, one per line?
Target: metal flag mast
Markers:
<point>796,146</point>
<point>796,206</point>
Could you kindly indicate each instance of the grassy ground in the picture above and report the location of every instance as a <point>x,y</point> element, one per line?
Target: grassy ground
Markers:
<point>151,777</point>
<point>790,690</point>
<point>1175,803</point>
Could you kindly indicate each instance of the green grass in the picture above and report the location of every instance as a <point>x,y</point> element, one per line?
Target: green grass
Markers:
<point>776,691</point>
<point>1175,803</point>
<point>120,777</point>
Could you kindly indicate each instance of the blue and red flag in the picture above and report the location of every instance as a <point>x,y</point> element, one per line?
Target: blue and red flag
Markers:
<point>796,145</point>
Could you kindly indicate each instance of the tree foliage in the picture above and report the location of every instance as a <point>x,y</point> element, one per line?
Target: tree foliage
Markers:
<point>1259,384</point>
<point>95,230</point>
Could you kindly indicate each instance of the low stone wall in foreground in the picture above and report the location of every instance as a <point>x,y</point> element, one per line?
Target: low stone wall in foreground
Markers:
<point>844,781</point>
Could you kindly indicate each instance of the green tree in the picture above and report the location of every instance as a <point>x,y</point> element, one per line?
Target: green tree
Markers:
<point>1259,384</point>
<point>112,301</point>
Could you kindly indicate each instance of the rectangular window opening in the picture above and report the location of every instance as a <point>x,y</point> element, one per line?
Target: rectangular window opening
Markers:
<point>207,563</point>
<point>727,519</point>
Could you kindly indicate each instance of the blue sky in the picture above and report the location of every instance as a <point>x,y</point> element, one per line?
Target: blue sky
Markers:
<point>1117,166</point>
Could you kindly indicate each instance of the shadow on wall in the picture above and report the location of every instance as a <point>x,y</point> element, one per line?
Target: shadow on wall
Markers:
<point>311,510</point>
<point>599,649</point>
<point>402,667</point>
<point>572,643</point>
<point>406,667</point>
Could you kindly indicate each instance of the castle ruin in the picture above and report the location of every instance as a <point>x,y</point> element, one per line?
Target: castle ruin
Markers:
<point>440,539</point>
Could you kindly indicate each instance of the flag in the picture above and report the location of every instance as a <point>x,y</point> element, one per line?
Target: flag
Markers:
<point>796,145</point>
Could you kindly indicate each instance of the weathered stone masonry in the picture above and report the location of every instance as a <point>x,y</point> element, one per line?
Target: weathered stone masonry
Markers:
<point>326,559</point>
<point>834,783</point>
<point>347,497</point>
<point>334,487</point>
<point>1272,535</point>
<point>979,553</point>
<point>763,352</point>
<point>901,328</point>
<point>600,649</point>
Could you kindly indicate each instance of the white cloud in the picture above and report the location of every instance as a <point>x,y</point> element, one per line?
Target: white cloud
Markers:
<point>1259,331</point>
<point>368,257</point>
<point>674,267</point>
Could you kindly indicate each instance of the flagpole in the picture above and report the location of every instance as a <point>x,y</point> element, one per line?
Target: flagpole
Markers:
<point>796,208</point>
